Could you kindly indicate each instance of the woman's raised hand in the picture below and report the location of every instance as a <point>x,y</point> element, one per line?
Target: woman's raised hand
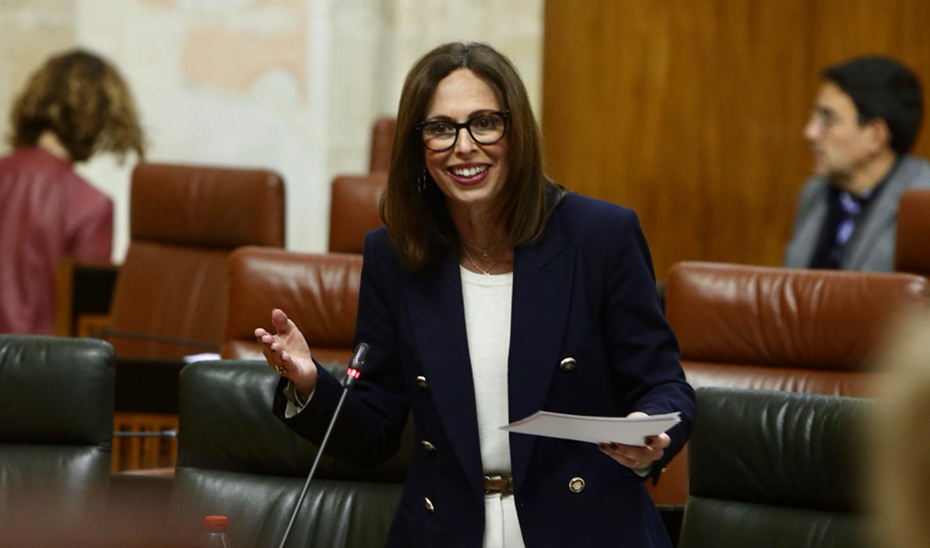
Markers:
<point>288,353</point>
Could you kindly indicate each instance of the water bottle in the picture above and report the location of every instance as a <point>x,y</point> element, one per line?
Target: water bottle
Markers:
<point>215,534</point>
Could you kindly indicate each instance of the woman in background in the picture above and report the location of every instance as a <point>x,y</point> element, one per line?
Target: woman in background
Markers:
<point>493,293</point>
<point>74,106</point>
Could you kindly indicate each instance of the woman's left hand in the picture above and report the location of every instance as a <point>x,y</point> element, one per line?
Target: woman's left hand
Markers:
<point>638,458</point>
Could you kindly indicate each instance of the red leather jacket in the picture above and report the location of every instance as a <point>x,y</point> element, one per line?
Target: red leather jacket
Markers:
<point>47,211</point>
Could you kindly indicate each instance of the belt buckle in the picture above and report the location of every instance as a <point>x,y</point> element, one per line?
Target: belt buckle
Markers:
<point>498,484</point>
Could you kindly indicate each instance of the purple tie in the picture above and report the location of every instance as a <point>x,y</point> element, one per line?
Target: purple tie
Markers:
<point>851,207</point>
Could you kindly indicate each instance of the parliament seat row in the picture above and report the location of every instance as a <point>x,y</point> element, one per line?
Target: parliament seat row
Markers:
<point>236,459</point>
<point>184,220</point>
<point>170,297</point>
<point>739,316</point>
<point>739,327</point>
<point>768,468</point>
<point>790,330</point>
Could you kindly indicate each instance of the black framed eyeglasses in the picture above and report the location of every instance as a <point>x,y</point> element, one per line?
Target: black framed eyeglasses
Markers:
<point>486,128</point>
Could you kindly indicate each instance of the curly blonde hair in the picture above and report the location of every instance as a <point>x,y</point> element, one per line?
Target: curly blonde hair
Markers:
<point>84,101</point>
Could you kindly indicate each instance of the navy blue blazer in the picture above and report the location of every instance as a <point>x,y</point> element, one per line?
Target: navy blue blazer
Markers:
<point>586,291</point>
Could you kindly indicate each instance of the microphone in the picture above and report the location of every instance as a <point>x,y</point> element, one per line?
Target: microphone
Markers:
<point>359,355</point>
<point>355,364</point>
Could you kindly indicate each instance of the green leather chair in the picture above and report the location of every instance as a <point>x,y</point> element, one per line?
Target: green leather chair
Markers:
<point>776,469</point>
<point>56,423</point>
<point>236,459</point>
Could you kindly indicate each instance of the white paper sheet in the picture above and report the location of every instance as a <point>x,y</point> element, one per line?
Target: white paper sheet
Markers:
<point>629,431</point>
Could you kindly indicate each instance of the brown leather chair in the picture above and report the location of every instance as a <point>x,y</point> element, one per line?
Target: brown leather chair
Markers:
<point>792,330</point>
<point>382,140</point>
<point>170,297</point>
<point>355,204</point>
<point>319,292</point>
<point>912,248</point>
<point>354,210</point>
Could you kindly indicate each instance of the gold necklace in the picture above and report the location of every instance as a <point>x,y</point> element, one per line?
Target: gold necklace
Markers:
<point>485,256</point>
<point>481,270</point>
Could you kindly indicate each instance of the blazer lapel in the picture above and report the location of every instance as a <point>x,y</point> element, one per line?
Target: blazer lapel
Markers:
<point>437,313</point>
<point>881,218</point>
<point>542,285</point>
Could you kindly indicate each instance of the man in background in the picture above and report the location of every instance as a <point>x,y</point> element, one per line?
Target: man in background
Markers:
<point>864,124</point>
<point>75,106</point>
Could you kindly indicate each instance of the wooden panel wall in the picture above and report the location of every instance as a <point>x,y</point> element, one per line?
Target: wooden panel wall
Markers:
<point>692,112</point>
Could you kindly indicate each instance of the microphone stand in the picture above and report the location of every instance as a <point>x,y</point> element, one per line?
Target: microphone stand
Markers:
<point>358,359</point>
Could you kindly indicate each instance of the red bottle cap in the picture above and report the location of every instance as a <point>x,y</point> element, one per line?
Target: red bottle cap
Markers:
<point>215,523</point>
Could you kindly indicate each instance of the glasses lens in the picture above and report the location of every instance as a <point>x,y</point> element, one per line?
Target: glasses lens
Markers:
<point>487,129</point>
<point>438,135</point>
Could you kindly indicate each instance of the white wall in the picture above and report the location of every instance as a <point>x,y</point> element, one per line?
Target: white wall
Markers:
<point>288,85</point>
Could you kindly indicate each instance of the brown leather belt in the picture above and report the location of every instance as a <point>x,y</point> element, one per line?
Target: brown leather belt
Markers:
<point>498,484</point>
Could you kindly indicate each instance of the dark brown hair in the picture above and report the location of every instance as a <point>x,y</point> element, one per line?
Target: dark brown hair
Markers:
<point>83,100</point>
<point>882,87</point>
<point>418,222</point>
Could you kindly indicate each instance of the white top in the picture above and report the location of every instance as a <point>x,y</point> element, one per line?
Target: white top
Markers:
<point>488,301</point>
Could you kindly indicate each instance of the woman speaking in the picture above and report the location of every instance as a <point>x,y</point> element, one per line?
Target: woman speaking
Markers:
<point>490,294</point>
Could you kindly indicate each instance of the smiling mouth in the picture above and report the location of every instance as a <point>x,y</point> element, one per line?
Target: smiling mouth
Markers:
<point>468,172</point>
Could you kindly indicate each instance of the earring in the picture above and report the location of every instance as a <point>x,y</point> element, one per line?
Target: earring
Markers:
<point>421,182</point>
